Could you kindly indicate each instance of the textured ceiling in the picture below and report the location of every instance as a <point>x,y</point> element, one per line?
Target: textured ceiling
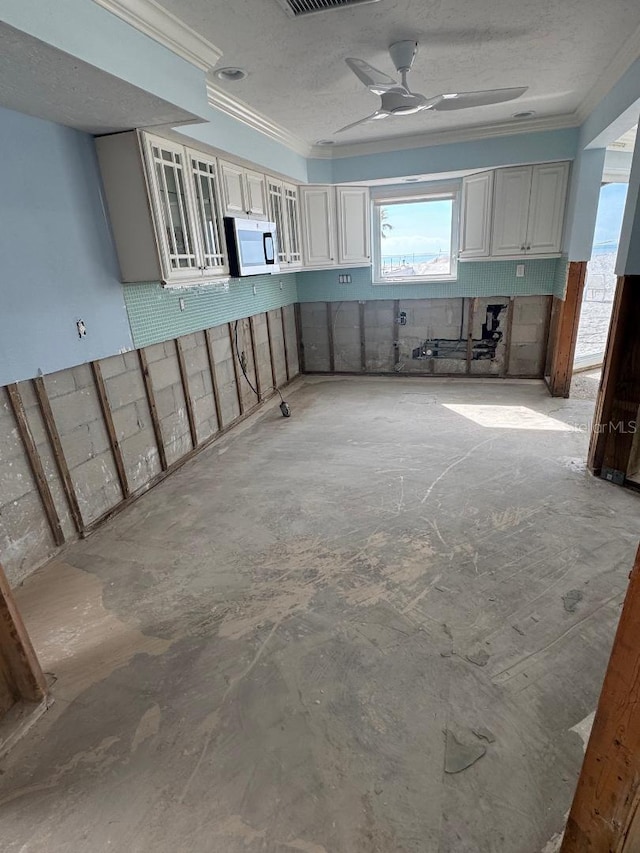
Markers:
<point>297,75</point>
<point>41,81</point>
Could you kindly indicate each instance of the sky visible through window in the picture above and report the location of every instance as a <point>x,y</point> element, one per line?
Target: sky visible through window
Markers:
<point>416,238</point>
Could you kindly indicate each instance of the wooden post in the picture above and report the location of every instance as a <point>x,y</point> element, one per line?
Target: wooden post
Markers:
<point>18,661</point>
<point>507,341</point>
<point>254,352</point>
<point>184,377</point>
<point>299,340</point>
<point>274,378</point>
<point>332,355</point>
<point>58,453</point>
<point>395,331</point>
<point>236,367</point>
<point>35,462</point>
<point>153,410</point>
<point>619,393</point>
<point>284,341</point>
<point>470,322</point>
<point>363,348</point>
<point>604,814</point>
<point>214,378</point>
<point>107,417</point>
<point>564,347</point>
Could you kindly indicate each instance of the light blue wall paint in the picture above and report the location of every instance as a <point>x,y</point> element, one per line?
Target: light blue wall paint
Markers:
<point>155,312</point>
<point>58,260</point>
<point>475,154</point>
<point>486,278</point>
<point>628,261</point>
<point>582,207</point>
<point>615,113</point>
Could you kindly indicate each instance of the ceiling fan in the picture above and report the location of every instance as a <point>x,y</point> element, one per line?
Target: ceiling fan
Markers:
<point>397,99</point>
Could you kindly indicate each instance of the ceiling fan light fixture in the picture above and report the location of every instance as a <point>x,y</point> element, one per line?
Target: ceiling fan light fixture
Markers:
<point>231,74</point>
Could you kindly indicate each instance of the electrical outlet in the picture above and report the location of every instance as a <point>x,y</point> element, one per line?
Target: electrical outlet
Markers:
<point>520,271</point>
<point>344,278</point>
<point>181,303</point>
<point>255,290</point>
<point>82,329</point>
<point>281,285</point>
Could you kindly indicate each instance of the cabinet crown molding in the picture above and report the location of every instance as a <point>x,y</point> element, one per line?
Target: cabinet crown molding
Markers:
<point>155,21</point>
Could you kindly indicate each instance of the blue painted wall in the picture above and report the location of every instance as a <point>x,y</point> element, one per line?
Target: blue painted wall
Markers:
<point>482,278</point>
<point>58,260</point>
<point>156,315</point>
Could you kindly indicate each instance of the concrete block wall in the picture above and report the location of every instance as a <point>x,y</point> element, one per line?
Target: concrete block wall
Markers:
<point>428,336</point>
<point>26,533</point>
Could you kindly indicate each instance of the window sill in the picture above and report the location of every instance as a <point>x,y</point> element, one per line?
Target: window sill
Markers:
<point>435,279</point>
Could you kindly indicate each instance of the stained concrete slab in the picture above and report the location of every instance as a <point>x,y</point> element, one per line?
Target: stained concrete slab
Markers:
<point>249,657</point>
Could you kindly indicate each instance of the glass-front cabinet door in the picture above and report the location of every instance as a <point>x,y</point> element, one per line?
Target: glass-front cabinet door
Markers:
<point>208,214</point>
<point>175,221</point>
<point>293,225</point>
<point>276,214</point>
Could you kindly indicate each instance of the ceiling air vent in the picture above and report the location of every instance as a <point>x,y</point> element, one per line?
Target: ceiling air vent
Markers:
<point>297,8</point>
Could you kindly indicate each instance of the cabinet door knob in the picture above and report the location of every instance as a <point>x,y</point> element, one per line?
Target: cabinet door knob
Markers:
<point>528,248</point>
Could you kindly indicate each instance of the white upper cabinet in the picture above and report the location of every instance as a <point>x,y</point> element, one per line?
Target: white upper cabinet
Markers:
<point>243,192</point>
<point>475,221</point>
<point>204,175</point>
<point>319,228</point>
<point>511,211</point>
<point>546,212</point>
<point>283,210</point>
<point>354,225</point>
<point>529,204</point>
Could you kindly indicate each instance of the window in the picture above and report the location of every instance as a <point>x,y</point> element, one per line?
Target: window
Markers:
<point>415,235</point>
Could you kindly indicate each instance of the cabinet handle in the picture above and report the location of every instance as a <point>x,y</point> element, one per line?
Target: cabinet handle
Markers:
<point>528,248</point>
<point>522,248</point>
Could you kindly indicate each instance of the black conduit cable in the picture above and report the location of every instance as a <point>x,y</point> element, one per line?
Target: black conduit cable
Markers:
<point>284,407</point>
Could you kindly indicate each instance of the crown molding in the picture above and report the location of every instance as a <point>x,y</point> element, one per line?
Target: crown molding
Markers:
<point>621,62</point>
<point>155,21</point>
<point>425,140</point>
<point>258,121</point>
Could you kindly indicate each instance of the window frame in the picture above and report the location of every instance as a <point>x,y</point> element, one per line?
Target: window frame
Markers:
<point>449,190</point>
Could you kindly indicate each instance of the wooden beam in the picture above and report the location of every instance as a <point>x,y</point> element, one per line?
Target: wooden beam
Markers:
<point>284,341</point>
<point>395,337</point>
<point>236,366</point>
<point>214,378</point>
<point>363,348</point>
<point>58,453</point>
<point>274,377</point>
<point>254,352</point>
<point>507,341</point>
<point>107,417</point>
<point>188,401</point>
<point>470,322</point>
<point>564,347</point>
<point>618,395</point>
<point>299,341</point>
<point>604,813</point>
<point>332,355</point>
<point>35,462</point>
<point>153,409</point>
<point>18,658</point>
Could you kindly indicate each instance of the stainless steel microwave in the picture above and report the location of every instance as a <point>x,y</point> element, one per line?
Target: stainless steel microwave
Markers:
<point>252,246</point>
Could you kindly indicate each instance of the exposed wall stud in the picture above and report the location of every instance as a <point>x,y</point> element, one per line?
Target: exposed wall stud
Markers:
<point>332,355</point>
<point>214,378</point>
<point>567,331</point>
<point>472,316</point>
<point>184,377</point>
<point>254,350</point>
<point>35,462</point>
<point>363,348</point>
<point>299,341</point>
<point>395,333</point>
<point>284,341</point>
<point>236,366</point>
<point>58,453</point>
<point>107,417</point>
<point>153,410</point>
<point>507,337</point>
<point>274,377</point>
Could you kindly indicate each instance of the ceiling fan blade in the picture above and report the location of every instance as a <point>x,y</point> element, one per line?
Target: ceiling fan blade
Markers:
<point>465,100</point>
<point>375,81</point>
<point>374,116</point>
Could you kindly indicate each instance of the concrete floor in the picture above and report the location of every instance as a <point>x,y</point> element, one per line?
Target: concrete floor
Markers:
<point>271,650</point>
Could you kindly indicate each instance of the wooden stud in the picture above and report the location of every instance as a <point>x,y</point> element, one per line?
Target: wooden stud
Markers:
<point>21,665</point>
<point>564,346</point>
<point>107,417</point>
<point>35,462</point>
<point>58,453</point>
<point>363,348</point>
<point>214,378</point>
<point>299,341</point>
<point>254,352</point>
<point>396,332</point>
<point>604,815</point>
<point>271,356</point>
<point>184,377</point>
<point>236,366</point>
<point>332,355</point>
<point>507,337</point>
<point>153,410</point>
<point>284,341</point>
<point>472,316</point>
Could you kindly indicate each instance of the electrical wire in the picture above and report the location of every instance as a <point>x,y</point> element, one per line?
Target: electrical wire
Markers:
<point>241,361</point>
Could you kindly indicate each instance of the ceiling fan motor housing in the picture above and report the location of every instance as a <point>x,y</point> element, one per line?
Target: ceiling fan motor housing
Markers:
<point>403,54</point>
